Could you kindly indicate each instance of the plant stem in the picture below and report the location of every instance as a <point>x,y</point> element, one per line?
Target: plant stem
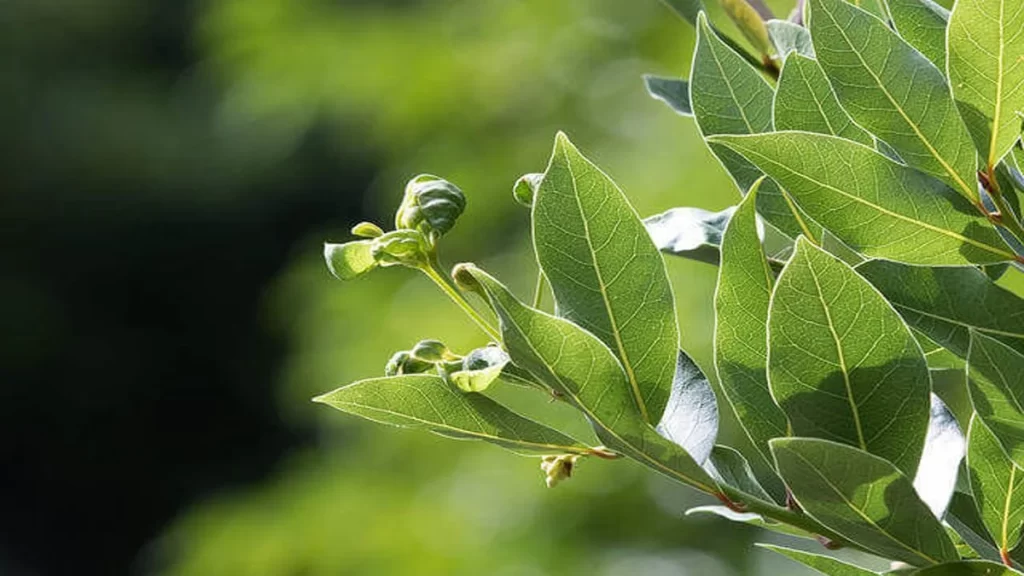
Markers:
<point>1007,219</point>
<point>538,294</point>
<point>442,282</point>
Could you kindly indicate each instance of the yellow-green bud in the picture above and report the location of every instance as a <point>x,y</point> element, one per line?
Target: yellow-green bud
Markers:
<point>525,189</point>
<point>432,351</point>
<point>404,363</point>
<point>431,205</point>
<point>401,247</point>
<point>558,468</point>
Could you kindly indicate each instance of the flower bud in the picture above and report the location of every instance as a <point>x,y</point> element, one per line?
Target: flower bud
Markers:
<point>431,205</point>
<point>558,468</point>
<point>432,351</point>
<point>525,189</point>
<point>367,230</point>
<point>401,248</point>
<point>404,363</point>
<point>480,368</point>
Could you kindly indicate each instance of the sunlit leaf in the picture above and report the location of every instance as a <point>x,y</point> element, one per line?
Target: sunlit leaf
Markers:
<point>863,498</point>
<point>893,91</point>
<point>996,381</point>
<point>967,568</point>
<point>728,466</point>
<point>986,71</point>
<point>672,91</point>
<point>876,206</point>
<point>842,364</point>
<point>606,274</point>
<point>750,518</point>
<point>691,415</point>
<point>427,402</point>
<point>998,487</point>
<point>349,260</point>
<point>922,23</point>
<point>789,37</point>
<point>745,284</point>
<point>805,101</point>
<point>577,366</point>
<point>823,564</point>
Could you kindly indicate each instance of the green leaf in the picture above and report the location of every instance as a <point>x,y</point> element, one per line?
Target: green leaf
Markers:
<point>789,37</point>
<point>947,303</point>
<point>964,518</point>
<point>967,568</point>
<point>741,314</point>
<point>805,101</point>
<point>688,9</point>
<point>427,402</point>
<point>691,415</point>
<point>752,519</point>
<point>863,498</point>
<point>922,23</point>
<point>729,96</point>
<point>581,369</point>
<point>893,92</point>
<point>606,274</point>
<point>349,260</point>
<point>727,466</point>
<point>995,376</point>
<point>823,564</point>
<point>672,91</point>
<point>998,486</point>
<point>944,448</point>
<point>876,206</point>
<point>842,364</point>
<point>986,71</point>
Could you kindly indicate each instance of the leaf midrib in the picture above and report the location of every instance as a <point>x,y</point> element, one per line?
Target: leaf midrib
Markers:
<point>887,212</point>
<point>959,322</point>
<point>972,194</point>
<point>842,358</point>
<point>991,160</point>
<point>1005,536</point>
<point>626,362</point>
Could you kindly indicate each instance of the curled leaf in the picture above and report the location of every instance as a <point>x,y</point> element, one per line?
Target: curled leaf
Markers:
<point>349,260</point>
<point>526,188</point>
<point>431,205</point>
<point>401,248</point>
<point>480,368</point>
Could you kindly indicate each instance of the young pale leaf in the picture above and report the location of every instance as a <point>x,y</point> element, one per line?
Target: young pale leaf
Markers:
<point>480,368</point>
<point>824,564</point>
<point>729,467</point>
<point>947,303</point>
<point>741,315</point>
<point>672,91</point>
<point>730,97</point>
<point>606,274</point>
<point>876,206</point>
<point>922,23</point>
<point>986,71</point>
<point>894,92</point>
<point>427,402</point>
<point>349,260</point>
<point>789,37</point>
<point>967,568</point>
<point>841,362</point>
<point>579,367</point>
<point>995,376</point>
<point>752,519</point>
<point>998,487</point>
<point>750,24</point>
<point>805,101</point>
<point>863,498</point>
<point>944,448</point>
<point>691,415</point>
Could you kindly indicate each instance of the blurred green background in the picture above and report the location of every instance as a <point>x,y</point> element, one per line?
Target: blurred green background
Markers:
<point>169,170</point>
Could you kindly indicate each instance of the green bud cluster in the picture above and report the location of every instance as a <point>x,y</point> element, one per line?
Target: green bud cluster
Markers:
<point>431,205</point>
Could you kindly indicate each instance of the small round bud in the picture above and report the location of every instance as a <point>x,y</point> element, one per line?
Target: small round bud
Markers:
<point>431,205</point>
<point>404,363</point>
<point>401,248</point>
<point>464,279</point>
<point>432,351</point>
<point>525,189</point>
<point>367,230</point>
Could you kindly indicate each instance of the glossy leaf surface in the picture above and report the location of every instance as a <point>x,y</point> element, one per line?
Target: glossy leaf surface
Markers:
<point>805,101</point>
<point>691,416</point>
<point>996,381</point>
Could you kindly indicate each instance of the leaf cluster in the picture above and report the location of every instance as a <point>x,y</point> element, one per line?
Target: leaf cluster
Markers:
<point>861,339</point>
